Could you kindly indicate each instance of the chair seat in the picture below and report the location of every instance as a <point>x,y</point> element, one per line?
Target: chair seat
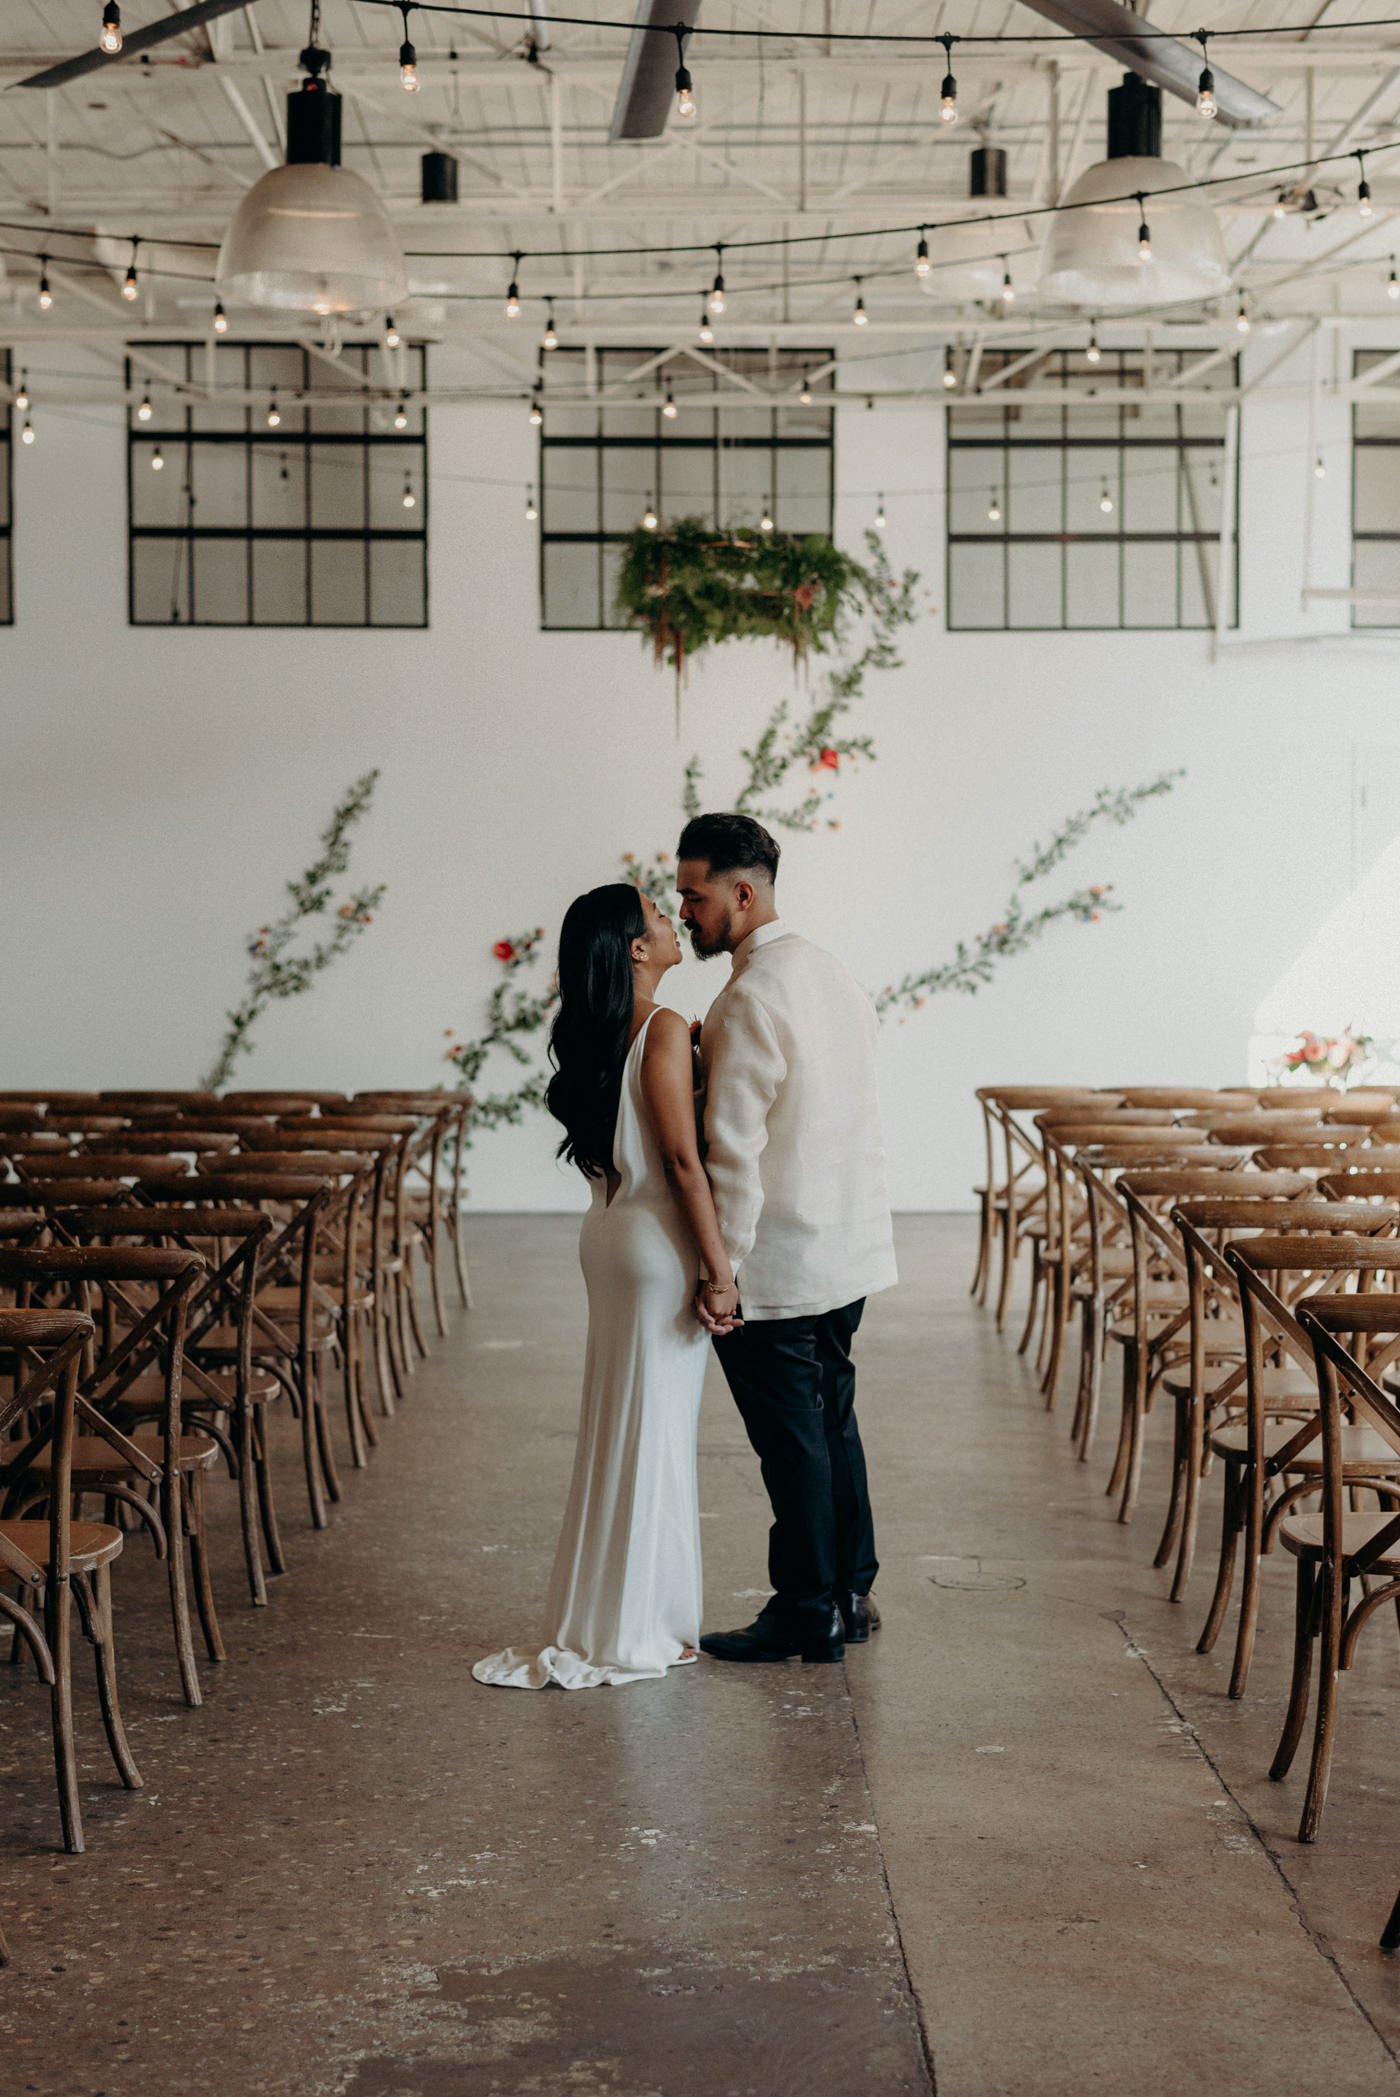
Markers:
<point>1302,1535</point>
<point>280,1301</point>
<point>220,1343</point>
<point>93,1457</point>
<point>1362,1448</point>
<point>90,1544</point>
<point>145,1398</point>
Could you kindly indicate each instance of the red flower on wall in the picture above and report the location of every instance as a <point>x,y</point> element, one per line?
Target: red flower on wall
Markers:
<point>831,759</point>
<point>504,950</point>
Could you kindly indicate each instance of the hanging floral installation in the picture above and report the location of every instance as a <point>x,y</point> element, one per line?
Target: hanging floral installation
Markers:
<point>277,971</point>
<point>790,774</point>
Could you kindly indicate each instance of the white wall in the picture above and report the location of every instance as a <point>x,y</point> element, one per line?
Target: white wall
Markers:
<point>157,787</point>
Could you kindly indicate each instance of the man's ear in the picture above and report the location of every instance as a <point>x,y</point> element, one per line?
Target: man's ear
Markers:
<point>744,893</point>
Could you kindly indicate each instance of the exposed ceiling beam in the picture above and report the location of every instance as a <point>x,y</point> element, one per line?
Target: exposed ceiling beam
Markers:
<point>648,85</point>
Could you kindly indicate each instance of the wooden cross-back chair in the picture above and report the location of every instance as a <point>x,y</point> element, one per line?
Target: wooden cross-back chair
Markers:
<point>436,1211</point>
<point>78,1165</point>
<point>1342,1548</point>
<point>139,1299</point>
<point>288,1101</point>
<point>1016,1172</point>
<point>292,1325</point>
<point>1186,1097</point>
<point>1211,1415</point>
<point>185,1102</point>
<point>1274,1461</point>
<point>65,1560</point>
<point>399,1312</point>
<point>53,1100</point>
<point>165,1141</point>
<point>215,1392</point>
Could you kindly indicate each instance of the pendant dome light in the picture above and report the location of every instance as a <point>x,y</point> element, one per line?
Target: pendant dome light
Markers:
<point>1097,254</point>
<point>967,262</point>
<point>311,237</point>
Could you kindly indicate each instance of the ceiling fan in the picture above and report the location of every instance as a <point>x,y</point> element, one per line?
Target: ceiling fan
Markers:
<point>132,46</point>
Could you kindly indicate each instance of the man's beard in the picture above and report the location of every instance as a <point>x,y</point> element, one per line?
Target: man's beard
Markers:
<point>722,943</point>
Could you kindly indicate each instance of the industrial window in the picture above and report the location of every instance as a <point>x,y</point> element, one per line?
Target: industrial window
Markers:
<point>1069,510</point>
<point>731,452</point>
<point>8,425</point>
<point>269,486</point>
<point>1375,497</point>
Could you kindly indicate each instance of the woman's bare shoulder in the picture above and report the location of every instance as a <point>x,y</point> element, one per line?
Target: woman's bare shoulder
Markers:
<point>666,1030</point>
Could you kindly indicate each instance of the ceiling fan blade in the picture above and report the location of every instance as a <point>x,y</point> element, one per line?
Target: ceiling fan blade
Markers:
<point>139,40</point>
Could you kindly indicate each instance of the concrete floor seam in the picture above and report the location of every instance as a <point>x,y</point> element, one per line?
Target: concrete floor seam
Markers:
<point>1318,1943</point>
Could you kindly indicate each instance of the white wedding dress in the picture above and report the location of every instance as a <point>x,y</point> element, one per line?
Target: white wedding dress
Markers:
<point>624,1596</point>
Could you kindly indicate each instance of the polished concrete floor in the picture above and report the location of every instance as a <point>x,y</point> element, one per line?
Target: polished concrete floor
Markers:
<point>1022,1845</point>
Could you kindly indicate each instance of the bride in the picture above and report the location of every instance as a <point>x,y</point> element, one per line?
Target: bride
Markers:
<point>624,1597</point>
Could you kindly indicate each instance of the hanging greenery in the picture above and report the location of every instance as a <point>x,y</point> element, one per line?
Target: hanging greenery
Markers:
<point>688,586</point>
<point>277,971</point>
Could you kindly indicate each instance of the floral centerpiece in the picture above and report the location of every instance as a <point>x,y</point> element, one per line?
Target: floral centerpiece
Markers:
<point>1330,1059</point>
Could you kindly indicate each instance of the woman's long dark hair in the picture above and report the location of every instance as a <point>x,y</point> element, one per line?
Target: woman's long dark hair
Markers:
<point>589,1039</point>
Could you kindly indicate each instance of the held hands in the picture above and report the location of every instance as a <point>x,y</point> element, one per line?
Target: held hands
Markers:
<point>717,1307</point>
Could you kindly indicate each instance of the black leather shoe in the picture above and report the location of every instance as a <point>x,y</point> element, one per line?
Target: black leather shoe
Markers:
<point>772,1638</point>
<point>859,1617</point>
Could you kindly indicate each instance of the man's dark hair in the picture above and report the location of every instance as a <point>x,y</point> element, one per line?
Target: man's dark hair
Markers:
<point>730,844</point>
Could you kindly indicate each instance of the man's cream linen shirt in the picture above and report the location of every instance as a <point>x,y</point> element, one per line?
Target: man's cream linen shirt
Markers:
<point>792,1125</point>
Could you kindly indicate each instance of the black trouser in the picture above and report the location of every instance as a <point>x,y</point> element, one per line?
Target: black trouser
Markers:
<point>795,1386</point>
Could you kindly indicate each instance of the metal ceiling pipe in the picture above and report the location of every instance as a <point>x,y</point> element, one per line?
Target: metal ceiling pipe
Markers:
<point>647,93</point>
<point>1117,31</point>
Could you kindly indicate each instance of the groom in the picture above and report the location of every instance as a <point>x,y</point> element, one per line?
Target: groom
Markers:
<point>796,1159</point>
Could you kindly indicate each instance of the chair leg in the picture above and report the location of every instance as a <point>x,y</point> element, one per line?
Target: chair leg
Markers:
<point>1231,1523</point>
<point>1250,1518</point>
<point>984,1237</point>
<point>1037,1277</point>
<point>311,1462</point>
<point>1176,1501</point>
<point>323,1433</point>
<point>1333,1602</point>
<point>384,1374</point>
<point>413,1318</point>
<point>58,1631</point>
<point>1191,1512</point>
<point>435,1270</point>
<point>199,1565</point>
<point>100,1632</point>
<point>1125,1424</point>
<point>248,1508</point>
<point>267,1506</point>
<point>1304,1631</point>
<point>1009,1248</point>
<point>359,1450</point>
<point>1057,1314</point>
<point>459,1261</point>
<point>172,1514</point>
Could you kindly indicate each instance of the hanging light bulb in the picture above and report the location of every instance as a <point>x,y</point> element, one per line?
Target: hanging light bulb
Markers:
<point>274,413</point>
<point>648,517</point>
<point>129,283</point>
<point>220,318</point>
<point>1008,289</point>
<point>531,513</point>
<point>392,337</point>
<point>536,409</point>
<point>513,294</point>
<point>860,317</point>
<point>1206,104</point>
<point>401,413</point>
<point>110,39</point>
<point>707,333</point>
<point>1106,502</point>
<point>45,295</point>
<point>670,410</point>
<point>948,93</point>
<point>880,513</point>
<point>551,340</point>
<point>922,264</point>
<point>950,376</point>
<point>1363,189</point>
<point>408,57</point>
<point>765,522</point>
<point>26,435</point>
<point>1281,204</point>
<point>1093,353</point>
<point>1144,237</point>
<point>685,89</point>
<point>994,509</point>
<point>805,396</point>
<point>1392,289</point>
<point>1319,469</point>
<point>410,500</point>
<point>1242,320</point>
<point>22,397</point>
<point>716,300</point>
<point>157,460</point>
<point>144,412</point>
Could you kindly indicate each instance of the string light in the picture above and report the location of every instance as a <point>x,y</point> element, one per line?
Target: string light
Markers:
<point>1008,289</point>
<point>1206,104</point>
<point>1319,469</point>
<point>670,410</point>
<point>143,413</point>
<point>408,57</point>
<point>948,93</point>
<point>707,333</point>
<point>1144,237</point>
<point>45,295</point>
<point>921,261</point>
<point>220,318</point>
<point>805,396</point>
<point>410,500</point>
<point>157,460</point>
<point>129,285</point>
<point>22,397</point>
<point>26,435</point>
<point>880,513</point>
<point>274,413</point>
<point>401,413</point>
<point>536,408</point>
<point>551,340</point>
<point>1392,289</point>
<point>513,293</point>
<point>648,517</point>
<point>994,509</point>
<point>392,337</point>
<point>1106,501</point>
<point>1093,352</point>
<point>950,376</point>
<point>716,299</point>
<point>531,513</point>
<point>1242,320</point>
<point>1363,189</point>
<point>860,317</point>
<point>765,522</point>
<point>110,39</point>
<point>685,90</point>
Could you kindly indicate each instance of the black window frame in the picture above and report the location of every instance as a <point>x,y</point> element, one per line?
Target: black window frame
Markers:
<point>174,425</point>
<point>7,485</point>
<point>1114,369</point>
<point>816,364</point>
